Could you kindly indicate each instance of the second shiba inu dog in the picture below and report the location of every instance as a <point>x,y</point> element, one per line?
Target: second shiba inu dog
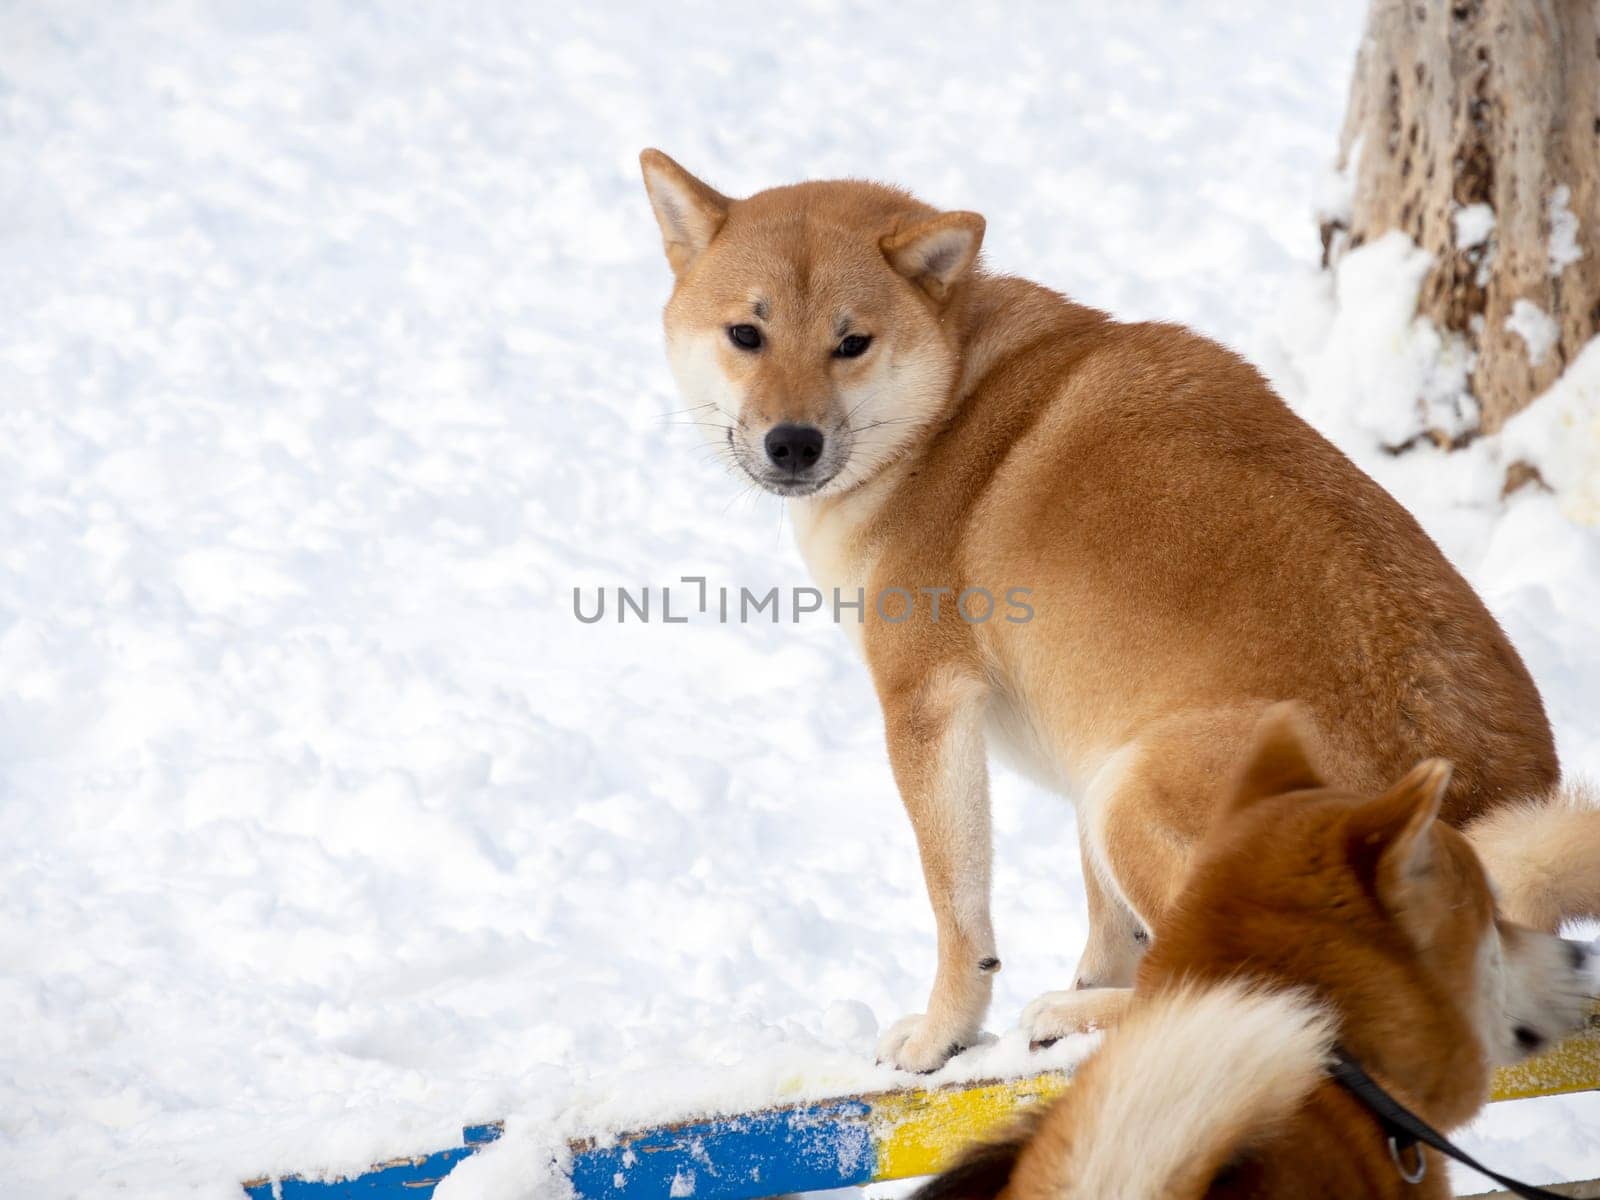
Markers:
<point>1312,917</point>
<point>1189,549</point>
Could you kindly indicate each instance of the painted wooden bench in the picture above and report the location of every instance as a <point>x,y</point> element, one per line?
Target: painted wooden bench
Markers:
<point>819,1145</point>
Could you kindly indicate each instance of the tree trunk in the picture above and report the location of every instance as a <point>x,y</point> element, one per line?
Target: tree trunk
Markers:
<point>1474,128</point>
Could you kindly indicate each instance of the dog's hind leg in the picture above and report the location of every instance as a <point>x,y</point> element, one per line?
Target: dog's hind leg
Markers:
<point>1117,937</point>
<point>1104,982</point>
<point>1138,822</point>
<point>1117,934</point>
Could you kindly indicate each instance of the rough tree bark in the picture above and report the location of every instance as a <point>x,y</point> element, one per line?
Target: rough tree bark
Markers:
<point>1495,103</point>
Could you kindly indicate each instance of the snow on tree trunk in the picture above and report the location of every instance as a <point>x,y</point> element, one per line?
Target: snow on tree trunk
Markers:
<point>1474,128</point>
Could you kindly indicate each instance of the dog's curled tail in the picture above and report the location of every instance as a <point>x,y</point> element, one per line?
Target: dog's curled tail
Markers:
<point>1189,1078</point>
<point>1543,856</point>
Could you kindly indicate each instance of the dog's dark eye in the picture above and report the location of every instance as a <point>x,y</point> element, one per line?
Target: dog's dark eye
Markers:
<point>853,346</point>
<point>746,337</point>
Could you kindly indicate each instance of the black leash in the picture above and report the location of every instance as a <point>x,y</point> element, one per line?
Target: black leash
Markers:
<point>1406,1129</point>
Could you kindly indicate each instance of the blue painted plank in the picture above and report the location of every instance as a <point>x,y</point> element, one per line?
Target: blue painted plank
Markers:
<point>403,1179</point>
<point>801,1149</point>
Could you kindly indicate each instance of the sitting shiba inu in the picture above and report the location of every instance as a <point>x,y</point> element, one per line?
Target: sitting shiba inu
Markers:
<point>1187,551</point>
<point>1312,917</point>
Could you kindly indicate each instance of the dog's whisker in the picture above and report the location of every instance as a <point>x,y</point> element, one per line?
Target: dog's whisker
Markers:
<point>698,424</point>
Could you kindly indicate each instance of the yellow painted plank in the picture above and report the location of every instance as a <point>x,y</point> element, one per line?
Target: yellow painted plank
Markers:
<point>917,1133</point>
<point>920,1132</point>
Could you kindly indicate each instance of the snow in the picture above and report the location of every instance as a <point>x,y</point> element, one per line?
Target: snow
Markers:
<point>330,364</point>
<point>1537,329</point>
<point>1360,360</point>
<point>1559,434</point>
<point>1563,247</point>
<point>1474,223</point>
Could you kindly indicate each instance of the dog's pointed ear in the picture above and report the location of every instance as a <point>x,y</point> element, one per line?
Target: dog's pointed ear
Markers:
<point>1390,833</point>
<point>936,254</point>
<point>1278,762</point>
<point>689,212</point>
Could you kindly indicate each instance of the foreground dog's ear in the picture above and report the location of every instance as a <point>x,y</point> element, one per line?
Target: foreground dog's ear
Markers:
<point>936,253</point>
<point>688,211</point>
<point>1391,832</point>
<point>1278,761</point>
<point>982,1171</point>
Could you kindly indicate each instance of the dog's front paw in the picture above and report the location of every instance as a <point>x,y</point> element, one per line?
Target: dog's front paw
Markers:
<point>916,1044</point>
<point>1056,1014</point>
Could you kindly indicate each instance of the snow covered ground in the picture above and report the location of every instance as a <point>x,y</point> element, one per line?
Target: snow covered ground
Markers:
<point>329,366</point>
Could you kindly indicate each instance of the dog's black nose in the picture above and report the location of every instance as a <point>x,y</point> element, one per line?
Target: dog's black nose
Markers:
<point>794,448</point>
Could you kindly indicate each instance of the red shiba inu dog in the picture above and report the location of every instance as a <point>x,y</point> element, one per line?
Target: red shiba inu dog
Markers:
<point>1311,917</point>
<point>1189,551</point>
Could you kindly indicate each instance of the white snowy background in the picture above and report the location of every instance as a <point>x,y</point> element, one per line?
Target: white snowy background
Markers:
<point>330,363</point>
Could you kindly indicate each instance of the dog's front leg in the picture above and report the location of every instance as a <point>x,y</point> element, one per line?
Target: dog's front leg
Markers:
<point>935,735</point>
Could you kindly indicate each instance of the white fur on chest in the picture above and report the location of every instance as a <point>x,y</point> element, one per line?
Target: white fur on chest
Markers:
<point>827,536</point>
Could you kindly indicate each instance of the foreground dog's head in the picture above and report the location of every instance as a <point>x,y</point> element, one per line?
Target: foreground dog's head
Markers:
<point>1366,920</point>
<point>804,328</point>
<point>1381,910</point>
